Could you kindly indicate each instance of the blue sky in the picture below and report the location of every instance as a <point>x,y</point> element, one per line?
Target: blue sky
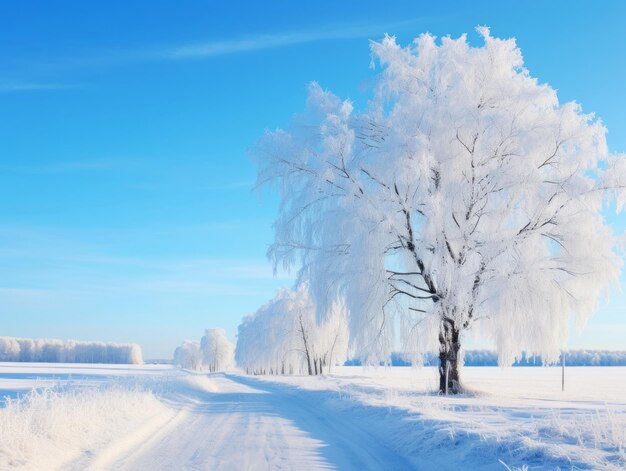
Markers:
<point>126,203</point>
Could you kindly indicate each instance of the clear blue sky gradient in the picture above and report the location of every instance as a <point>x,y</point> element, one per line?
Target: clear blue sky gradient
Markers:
<point>126,203</point>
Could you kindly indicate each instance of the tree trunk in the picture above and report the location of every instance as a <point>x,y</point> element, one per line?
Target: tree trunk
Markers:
<point>306,347</point>
<point>330,362</point>
<point>449,346</point>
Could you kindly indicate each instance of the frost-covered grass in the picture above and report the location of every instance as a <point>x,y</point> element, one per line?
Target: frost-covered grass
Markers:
<point>73,416</point>
<point>52,415</point>
<point>48,427</point>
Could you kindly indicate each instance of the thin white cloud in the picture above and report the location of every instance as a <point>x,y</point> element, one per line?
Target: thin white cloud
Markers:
<point>272,41</point>
<point>206,49</point>
<point>233,185</point>
<point>15,87</point>
<point>45,253</point>
<point>71,165</point>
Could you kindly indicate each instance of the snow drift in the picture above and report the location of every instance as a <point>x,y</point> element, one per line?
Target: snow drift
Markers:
<point>68,351</point>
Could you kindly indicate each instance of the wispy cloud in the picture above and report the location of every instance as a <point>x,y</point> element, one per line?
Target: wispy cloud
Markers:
<point>202,50</point>
<point>271,41</point>
<point>233,185</point>
<point>219,47</point>
<point>16,87</point>
<point>71,165</point>
<point>46,253</point>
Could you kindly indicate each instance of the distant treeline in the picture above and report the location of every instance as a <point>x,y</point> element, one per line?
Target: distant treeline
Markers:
<point>68,351</point>
<point>490,358</point>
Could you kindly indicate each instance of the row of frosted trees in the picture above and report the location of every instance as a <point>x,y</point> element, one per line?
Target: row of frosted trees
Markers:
<point>213,353</point>
<point>68,351</point>
<point>285,336</point>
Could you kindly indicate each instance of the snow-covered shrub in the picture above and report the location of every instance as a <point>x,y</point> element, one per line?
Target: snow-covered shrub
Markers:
<point>68,351</point>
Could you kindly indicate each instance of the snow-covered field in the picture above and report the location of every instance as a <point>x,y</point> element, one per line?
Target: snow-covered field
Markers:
<point>157,417</point>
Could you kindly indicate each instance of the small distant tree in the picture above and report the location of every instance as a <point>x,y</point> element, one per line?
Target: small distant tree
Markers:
<point>213,353</point>
<point>188,355</point>
<point>464,197</point>
<point>217,350</point>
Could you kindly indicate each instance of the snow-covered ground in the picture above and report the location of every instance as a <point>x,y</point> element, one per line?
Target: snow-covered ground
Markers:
<point>515,417</point>
<point>157,417</point>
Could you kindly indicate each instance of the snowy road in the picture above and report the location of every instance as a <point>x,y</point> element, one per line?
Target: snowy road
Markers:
<point>154,417</point>
<point>255,425</point>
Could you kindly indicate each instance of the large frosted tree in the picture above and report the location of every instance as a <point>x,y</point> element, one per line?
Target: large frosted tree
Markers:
<point>464,196</point>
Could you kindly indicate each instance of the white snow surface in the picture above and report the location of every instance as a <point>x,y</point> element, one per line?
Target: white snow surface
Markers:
<point>156,417</point>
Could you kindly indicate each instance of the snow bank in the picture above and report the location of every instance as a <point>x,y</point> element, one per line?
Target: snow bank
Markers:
<point>68,351</point>
<point>49,428</point>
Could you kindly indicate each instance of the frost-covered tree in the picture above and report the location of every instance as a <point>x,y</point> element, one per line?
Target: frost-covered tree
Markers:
<point>285,337</point>
<point>465,196</point>
<point>10,349</point>
<point>267,341</point>
<point>68,351</point>
<point>188,355</point>
<point>217,350</point>
<point>213,353</point>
